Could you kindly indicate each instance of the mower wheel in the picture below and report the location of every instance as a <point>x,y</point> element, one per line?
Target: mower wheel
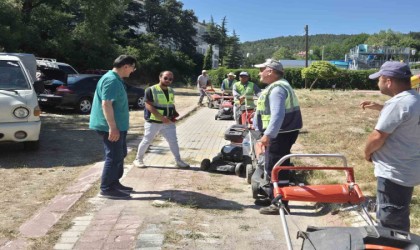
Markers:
<point>249,171</point>
<point>216,117</point>
<point>238,169</point>
<point>205,164</point>
<point>254,187</point>
<point>210,104</point>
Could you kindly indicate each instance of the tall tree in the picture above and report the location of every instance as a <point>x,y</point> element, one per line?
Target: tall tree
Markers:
<point>208,58</point>
<point>224,40</point>
<point>234,54</point>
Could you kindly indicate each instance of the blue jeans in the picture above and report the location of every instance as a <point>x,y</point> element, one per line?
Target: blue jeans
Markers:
<point>115,152</point>
<point>393,204</point>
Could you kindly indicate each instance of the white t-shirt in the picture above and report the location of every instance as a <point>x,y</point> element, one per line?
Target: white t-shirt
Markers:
<point>399,158</point>
<point>202,81</point>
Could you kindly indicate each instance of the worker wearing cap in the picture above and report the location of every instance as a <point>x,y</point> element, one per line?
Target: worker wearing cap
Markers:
<point>394,145</point>
<point>279,119</point>
<point>227,83</point>
<point>243,94</point>
<point>202,82</point>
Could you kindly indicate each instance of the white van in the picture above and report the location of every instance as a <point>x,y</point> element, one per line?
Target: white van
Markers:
<point>19,111</point>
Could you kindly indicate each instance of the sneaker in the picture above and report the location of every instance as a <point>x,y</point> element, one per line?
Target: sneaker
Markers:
<point>181,164</point>
<point>123,188</point>
<point>115,194</point>
<point>269,210</point>
<point>139,163</point>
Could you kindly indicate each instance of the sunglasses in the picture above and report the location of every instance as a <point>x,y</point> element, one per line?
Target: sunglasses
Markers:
<point>167,79</point>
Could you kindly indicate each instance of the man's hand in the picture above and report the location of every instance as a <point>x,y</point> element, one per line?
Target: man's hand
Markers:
<point>114,134</point>
<point>166,120</point>
<point>371,105</point>
<point>265,140</point>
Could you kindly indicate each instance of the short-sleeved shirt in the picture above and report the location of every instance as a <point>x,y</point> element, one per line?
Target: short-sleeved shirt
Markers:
<point>202,81</point>
<point>399,158</point>
<point>110,88</point>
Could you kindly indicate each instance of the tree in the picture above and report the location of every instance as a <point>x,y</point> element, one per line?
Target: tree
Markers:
<point>283,53</point>
<point>224,40</point>
<point>319,70</point>
<point>208,58</point>
<point>385,38</point>
<point>234,54</point>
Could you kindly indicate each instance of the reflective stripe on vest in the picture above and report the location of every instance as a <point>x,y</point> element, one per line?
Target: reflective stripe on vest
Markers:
<point>164,106</point>
<point>248,92</point>
<point>263,103</point>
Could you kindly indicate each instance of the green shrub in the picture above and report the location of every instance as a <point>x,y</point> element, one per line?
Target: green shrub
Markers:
<point>346,79</point>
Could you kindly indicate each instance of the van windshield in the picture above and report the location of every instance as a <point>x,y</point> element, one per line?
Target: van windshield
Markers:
<point>12,76</point>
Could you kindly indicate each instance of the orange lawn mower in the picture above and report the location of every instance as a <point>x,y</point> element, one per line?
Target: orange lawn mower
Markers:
<point>336,238</point>
<point>213,98</point>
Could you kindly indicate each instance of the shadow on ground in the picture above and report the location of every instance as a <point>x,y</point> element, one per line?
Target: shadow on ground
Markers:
<point>192,199</point>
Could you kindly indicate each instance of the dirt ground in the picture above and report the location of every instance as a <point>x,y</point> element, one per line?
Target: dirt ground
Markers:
<point>68,147</point>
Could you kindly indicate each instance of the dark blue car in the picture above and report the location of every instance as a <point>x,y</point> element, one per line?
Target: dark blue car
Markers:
<point>78,93</point>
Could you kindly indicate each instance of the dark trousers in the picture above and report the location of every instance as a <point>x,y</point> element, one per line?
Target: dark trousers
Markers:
<point>115,152</point>
<point>279,147</point>
<point>393,204</point>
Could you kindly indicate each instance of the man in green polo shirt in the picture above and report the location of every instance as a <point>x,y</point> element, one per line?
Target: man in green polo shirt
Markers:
<point>109,117</point>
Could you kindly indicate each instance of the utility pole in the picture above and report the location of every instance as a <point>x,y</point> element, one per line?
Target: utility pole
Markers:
<point>306,50</point>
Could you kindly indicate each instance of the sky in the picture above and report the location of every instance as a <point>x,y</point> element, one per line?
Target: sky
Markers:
<point>261,19</point>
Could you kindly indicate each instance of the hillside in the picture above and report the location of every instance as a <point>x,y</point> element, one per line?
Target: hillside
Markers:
<point>265,48</point>
<point>326,46</point>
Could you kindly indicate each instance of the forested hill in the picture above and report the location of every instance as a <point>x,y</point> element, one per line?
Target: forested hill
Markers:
<point>265,48</point>
<point>324,46</point>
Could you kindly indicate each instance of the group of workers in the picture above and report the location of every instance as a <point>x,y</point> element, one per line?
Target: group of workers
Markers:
<point>393,146</point>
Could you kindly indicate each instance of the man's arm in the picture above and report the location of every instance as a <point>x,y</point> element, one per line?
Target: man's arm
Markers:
<point>114,133</point>
<point>375,141</point>
<point>371,105</point>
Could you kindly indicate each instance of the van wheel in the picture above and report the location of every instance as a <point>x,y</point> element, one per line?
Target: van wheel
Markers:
<point>84,105</point>
<point>31,145</point>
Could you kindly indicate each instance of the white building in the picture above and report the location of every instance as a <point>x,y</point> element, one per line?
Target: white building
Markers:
<point>202,46</point>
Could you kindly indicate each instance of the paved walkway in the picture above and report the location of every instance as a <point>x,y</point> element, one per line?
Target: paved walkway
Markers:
<point>174,208</point>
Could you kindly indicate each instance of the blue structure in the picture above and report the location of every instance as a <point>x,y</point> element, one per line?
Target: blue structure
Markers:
<point>365,56</point>
<point>341,64</point>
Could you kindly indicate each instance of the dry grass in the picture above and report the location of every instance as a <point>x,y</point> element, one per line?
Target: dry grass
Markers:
<point>67,149</point>
<point>334,123</point>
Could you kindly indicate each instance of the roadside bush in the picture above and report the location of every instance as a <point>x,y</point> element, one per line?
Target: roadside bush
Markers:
<point>346,79</point>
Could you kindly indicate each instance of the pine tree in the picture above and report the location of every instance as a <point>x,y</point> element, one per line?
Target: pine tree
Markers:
<point>208,58</point>
<point>234,55</point>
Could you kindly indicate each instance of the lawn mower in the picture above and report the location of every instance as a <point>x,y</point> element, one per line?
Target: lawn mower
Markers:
<point>213,98</point>
<point>225,108</point>
<point>232,157</point>
<point>329,238</point>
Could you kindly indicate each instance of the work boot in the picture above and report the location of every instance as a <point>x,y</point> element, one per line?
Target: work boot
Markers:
<point>182,164</point>
<point>272,209</point>
<point>139,163</point>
